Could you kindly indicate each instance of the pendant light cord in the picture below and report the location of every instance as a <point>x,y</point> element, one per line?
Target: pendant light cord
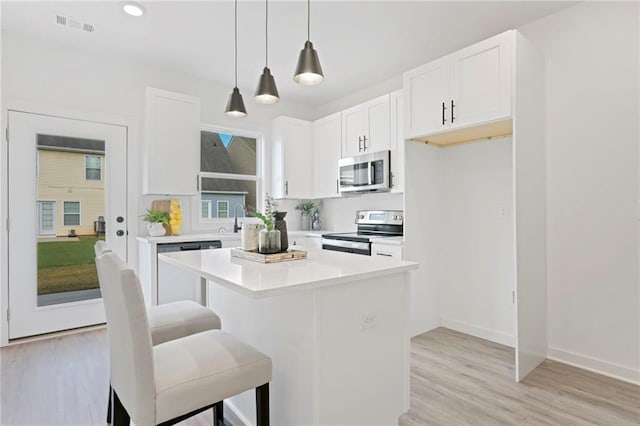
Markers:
<point>236,41</point>
<point>308,20</point>
<point>266,33</point>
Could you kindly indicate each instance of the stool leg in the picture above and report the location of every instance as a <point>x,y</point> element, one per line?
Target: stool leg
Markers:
<point>218,414</point>
<point>119,415</point>
<point>109,405</point>
<point>262,405</point>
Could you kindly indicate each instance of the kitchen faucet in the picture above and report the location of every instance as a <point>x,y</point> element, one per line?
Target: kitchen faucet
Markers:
<point>236,228</point>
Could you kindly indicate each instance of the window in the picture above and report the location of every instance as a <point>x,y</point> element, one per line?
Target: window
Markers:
<point>71,213</point>
<point>229,172</point>
<point>223,208</point>
<point>206,209</point>
<point>92,167</point>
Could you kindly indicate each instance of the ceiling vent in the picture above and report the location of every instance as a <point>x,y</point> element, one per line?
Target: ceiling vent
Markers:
<point>74,23</point>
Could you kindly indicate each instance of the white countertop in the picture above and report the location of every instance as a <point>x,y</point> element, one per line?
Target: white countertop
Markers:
<point>225,236</point>
<point>321,268</point>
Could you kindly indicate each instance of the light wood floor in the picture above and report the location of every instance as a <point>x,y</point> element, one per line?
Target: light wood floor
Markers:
<point>455,379</point>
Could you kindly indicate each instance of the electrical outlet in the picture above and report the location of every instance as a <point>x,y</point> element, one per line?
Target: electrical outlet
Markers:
<point>368,321</point>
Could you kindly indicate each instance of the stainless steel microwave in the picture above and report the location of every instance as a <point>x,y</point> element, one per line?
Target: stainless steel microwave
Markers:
<point>365,173</point>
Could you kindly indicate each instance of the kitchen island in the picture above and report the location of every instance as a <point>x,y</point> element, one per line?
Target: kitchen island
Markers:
<point>335,325</point>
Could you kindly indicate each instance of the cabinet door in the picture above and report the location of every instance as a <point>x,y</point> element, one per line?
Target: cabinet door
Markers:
<point>386,251</point>
<point>377,124</point>
<point>292,158</point>
<point>353,131</point>
<point>171,154</point>
<point>481,81</point>
<point>327,142</point>
<point>425,89</point>
<point>396,143</point>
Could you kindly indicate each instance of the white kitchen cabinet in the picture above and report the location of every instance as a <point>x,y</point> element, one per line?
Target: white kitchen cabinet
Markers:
<point>426,89</point>
<point>365,127</point>
<point>171,152</point>
<point>292,159</point>
<point>464,90</point>
<point>327,143</point>
<point>396,141</point>
<point>386,251</point>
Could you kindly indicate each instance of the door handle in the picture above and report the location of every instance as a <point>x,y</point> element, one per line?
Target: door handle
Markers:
<point>119,232</point>
<point>364,139</point>
<point>444,120</point>
<point>452,117</point>
<point>337,186</point>
<point>359,143</point>
<point>286,188</point>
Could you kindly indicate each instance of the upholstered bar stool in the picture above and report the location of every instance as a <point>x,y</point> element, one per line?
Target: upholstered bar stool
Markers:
<point>169,382</point>
<point>171,320</point>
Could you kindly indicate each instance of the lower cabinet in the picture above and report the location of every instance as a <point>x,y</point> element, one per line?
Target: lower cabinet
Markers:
<point>387,251</point>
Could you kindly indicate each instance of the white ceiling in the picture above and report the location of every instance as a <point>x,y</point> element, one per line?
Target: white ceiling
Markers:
<point>359,43</point>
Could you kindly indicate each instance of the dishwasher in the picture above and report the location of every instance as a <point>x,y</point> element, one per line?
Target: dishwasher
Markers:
<point>175,283</point>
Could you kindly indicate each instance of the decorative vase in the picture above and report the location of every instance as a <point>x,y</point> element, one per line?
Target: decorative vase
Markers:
<point>281,226</point>
<point>175,217</point>
<point>156,229</point>
<point>316,224</point>
<point>305,221</point>
<point>249,235</point>
<point>269,241</point>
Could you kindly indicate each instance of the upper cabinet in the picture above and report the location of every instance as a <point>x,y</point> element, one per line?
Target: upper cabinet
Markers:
<point>468,92</point>
<point>327,143</point>
<point>292,160</point>
<point>171,153</point>
<point>365,127</point>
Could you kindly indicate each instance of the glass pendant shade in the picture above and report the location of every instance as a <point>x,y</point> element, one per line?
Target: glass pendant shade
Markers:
<point>308,71</point>
<point>235,106</point>
<point>267,92</point>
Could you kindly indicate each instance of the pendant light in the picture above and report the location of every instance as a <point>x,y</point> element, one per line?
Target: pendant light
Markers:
<point>308,71</point>
<point>235,106</point>
<point>267,92</point>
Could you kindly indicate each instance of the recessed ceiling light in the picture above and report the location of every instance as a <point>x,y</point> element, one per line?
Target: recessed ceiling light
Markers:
<point>133,8</point>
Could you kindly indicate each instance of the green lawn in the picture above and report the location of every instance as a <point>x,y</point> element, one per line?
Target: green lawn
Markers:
<point>66,266</point>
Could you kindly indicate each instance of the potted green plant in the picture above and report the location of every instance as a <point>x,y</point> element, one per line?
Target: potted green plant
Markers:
<point>305,207</point>
<point>268,238</point>
<point>157,219</point>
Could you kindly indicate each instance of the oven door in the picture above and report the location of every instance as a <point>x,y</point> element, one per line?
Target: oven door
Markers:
<point>357,247</point>
<point>365,173</point>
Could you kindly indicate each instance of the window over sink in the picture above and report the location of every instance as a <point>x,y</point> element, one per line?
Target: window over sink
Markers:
<point>230,172</point>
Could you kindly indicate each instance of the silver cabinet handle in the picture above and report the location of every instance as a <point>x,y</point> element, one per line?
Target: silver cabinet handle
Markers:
<point>452,117</point>
<point>364,139</point>
<point>286,188</point>
<point>382,253</point>
<point>359,143</point>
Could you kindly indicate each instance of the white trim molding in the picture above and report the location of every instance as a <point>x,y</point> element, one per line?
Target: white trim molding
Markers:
<point>595,365</point>
<point>481,332</point>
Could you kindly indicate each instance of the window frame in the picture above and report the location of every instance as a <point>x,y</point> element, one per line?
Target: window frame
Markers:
<point>218,202</point>
<point>64,214</point>
<point>86,157</point>
<point>209,209</point>
<point>259,177</point>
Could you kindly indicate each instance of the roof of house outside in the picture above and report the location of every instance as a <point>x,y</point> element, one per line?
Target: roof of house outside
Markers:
<point>66,143</point>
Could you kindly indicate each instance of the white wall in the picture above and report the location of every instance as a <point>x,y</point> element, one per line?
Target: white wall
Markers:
<point>45,77</point>
<point>592,185</point>
<point>477,240</point>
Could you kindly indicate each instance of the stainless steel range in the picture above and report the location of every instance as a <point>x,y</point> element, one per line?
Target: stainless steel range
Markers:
<point>372,224</point>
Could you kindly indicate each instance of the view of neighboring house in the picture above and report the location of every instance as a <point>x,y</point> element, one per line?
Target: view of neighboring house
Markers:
<point>232,155</point>
<point>70,185</point>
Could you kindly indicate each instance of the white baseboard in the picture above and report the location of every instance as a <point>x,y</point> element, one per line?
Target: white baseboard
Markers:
<point>481,332</point>
<point>594,365</point>
<point>238,414</point>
